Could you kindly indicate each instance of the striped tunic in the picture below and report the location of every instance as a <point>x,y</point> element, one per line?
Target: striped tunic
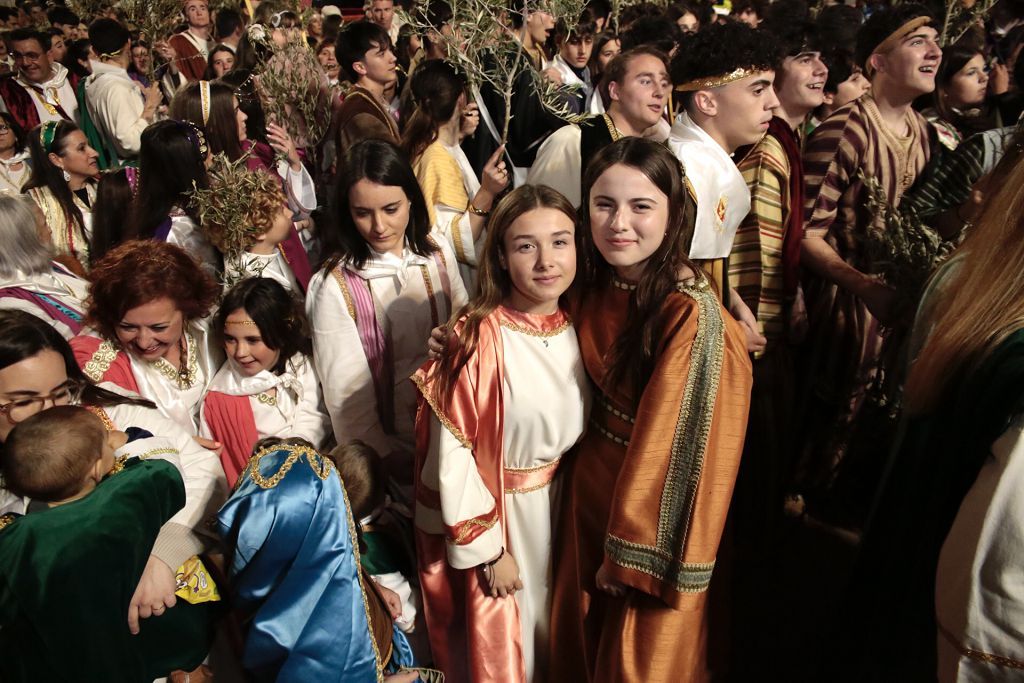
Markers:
<point>844,336</point>
<point>755,265</point>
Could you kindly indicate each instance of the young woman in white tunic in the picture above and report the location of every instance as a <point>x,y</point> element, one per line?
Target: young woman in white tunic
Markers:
<point>503,411</point>
<point>385,283</point>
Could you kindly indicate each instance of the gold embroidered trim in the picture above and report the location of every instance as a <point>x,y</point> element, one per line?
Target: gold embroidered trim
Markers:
<point>295,452</point>
<point>435,315</point>
<point>468,527</point>
<point>979,655</point>
<point>347,295</point>
<point>7,520</point>
<point>537,333</point>
<point>709,82</point>
<point>158,451</point>
<point>460,250</point>
<point>104,418</point>
<point>182,380</point>
<point>612,129</point>
<point>119,463</point>
<point>100,362</point>
<point>442,418</point>
<point>266,399</point>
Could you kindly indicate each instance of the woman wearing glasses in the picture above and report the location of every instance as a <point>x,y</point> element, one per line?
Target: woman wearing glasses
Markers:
<point>14,166</point>
<point>37,371</point>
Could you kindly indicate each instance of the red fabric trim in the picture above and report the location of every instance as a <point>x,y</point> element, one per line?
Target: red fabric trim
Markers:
<point>231,422</point>
<point>120,370</point>
<point>467,531</point>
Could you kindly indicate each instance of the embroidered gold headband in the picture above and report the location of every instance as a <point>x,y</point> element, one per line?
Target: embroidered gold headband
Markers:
<point>204,100</point>
<point>46,134</point>
<point>709,82</point>
<point>894,39</point>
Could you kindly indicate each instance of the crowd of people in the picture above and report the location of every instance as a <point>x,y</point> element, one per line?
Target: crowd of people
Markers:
<point>325,356</point>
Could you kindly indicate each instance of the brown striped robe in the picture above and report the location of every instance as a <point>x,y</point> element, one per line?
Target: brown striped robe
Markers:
<point>844,340</point>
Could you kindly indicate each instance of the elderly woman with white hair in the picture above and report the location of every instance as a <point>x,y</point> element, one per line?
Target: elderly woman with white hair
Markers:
<point>30,280</point>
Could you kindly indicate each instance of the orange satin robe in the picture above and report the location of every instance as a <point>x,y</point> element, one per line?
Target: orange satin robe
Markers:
<point>651,511</point>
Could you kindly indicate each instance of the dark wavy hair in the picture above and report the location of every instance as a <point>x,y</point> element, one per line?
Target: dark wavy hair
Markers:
<point>140,271</point>
<point>46,174</point>
<point>170,166</point>
<point>278,315</point>
<point>382,163</point>
<point>633,355</point>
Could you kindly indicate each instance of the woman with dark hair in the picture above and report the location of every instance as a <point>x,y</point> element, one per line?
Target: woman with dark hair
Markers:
<point>457,201</point>
<point>384,283</point>
<point>172,162</point>
<point>961,92</point>
<point>14,167</point>
<point>607,47</point>
<point>647,496</point>
<point>30,280</point>
<point>112,210</point>
<point>38,370</point>
<point>63,184</point>
<point>214,107</point>
<point>267,387</point>
<point>220,61</point>
<point>147,302</point>
<point>78,56</point>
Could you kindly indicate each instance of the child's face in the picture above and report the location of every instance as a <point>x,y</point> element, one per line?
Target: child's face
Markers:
<point>540,257</point>
<point>243,343</point>
<point>282,226</point>
<point>576,50</point>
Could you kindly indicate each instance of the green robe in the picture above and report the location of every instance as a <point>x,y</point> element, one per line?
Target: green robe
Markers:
<point>68,576</point>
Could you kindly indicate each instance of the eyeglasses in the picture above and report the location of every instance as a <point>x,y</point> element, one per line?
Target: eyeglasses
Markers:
<point>22,409</point>
<point>4,128</point>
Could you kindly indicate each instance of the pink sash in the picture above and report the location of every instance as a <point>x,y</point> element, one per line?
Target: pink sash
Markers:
<point>231,422</point>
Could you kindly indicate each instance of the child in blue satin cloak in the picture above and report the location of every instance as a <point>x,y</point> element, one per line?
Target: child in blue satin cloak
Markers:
<point>309,612</point>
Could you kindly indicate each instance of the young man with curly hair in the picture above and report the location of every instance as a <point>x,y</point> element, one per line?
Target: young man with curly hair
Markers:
<point>723,78</point>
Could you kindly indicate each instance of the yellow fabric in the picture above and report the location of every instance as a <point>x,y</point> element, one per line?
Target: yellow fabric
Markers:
<point>441,181</point>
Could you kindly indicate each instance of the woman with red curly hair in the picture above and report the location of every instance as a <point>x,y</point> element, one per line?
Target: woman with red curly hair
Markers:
<point>147,302</point>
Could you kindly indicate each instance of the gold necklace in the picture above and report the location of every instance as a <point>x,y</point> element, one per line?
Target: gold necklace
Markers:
<point>266,399</point>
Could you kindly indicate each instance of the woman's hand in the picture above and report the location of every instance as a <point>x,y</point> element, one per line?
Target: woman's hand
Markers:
<point>606,583</point>
<point>494,178</point>
<point>503,576</point>
<point>470,120</point>
<point>282,143</point>
<point>739,310</point>
<point>154,594</point>
<point>437,345</point>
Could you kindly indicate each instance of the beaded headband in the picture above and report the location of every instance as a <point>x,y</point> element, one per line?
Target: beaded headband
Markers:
<point>47,131</point>
<point>196,137</point>
<point>894,39</point>
<point>204,100</point>
<point>132,174</point>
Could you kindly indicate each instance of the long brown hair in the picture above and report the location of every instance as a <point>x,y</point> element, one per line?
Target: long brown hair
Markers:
<point>633,355</point>
<point>436,87</point>
<point>984,302</point>
<point>494,283</point>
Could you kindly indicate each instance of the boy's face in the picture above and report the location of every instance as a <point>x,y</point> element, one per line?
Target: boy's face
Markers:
<point>197,13</point>
<point>575,50</point>
<point>911,66</point>
<point>743,109</point>
<point>850,89</point>
<point>540,24</point>
<point>641,94</point>
<point>379,65</point>
<point>382,13</point>
<point>800,84</point>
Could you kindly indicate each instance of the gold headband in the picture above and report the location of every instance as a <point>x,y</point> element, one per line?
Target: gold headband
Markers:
<point>240,322</point>
<point>894,39</point>
<point>204,100</point>
<point>709,82</point>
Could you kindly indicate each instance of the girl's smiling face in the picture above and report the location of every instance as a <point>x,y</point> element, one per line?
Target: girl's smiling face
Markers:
<point>243,343</point>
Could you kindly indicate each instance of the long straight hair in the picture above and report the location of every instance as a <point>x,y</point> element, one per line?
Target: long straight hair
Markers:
<point>493,281</point>
<point>984,302</point>
<point>170,166</point>
<point>221,126</point>
<point>633,355</point>
<point>382,163</point>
